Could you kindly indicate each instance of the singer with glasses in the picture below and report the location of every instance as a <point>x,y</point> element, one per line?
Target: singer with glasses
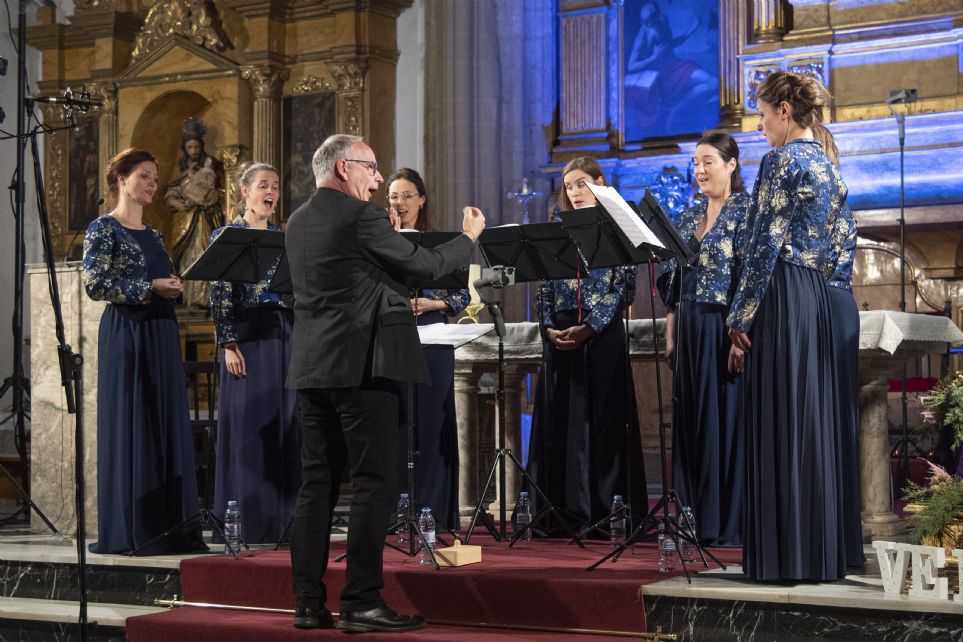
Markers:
<point>436,428</point>
<point>145,450</point>
<point>258,445</point>
<point>708,462</point>
<point>580,454</point>
<point>781,317</point>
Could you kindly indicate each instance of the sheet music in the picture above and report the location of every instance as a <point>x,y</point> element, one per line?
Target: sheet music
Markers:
<point>452,334</point>
<point>628,221</point>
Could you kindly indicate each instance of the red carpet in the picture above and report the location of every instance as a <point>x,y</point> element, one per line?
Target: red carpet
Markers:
<point>540,584</point>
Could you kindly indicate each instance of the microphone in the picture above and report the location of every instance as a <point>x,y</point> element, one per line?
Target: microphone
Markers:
<point>902,96</point>
<point>498,277</point>
<point>83,103</point>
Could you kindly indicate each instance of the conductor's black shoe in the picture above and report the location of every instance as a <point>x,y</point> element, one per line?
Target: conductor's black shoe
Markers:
<point>382,618</point>
<point>307,618</point>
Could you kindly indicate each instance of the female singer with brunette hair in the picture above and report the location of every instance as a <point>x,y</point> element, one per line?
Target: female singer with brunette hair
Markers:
<point>258,445</point>
<point>585,400</point>
<point>708,458</point>
<point>781,317</point>
<point>145,451</point>
<point>436,430</point>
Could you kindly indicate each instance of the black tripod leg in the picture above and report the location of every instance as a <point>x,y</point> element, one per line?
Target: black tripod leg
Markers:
<point>486,520</point>
<point>284,533</point>
<point>549,505</point>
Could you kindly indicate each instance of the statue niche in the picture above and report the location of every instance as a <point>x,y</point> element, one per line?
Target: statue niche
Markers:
<point>196,200</point>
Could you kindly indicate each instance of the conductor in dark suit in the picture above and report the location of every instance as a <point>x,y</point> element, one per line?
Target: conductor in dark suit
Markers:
<point>355,338</point>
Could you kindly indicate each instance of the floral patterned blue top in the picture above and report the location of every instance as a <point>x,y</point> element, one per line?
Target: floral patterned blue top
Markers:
<point>716,269</point>
<point>796,200</point>
<point>844,250</point>
<point>227,299</point>
<point>603,292</point>
<point>456,300</point>
<point>115,267</point>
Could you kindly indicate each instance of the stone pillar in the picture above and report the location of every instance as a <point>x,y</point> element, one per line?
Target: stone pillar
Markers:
<point>350,79</point>
<point>267,80</point>
<point>230,156</point>
<point>879,520</point>
<point>769,20</point>
<point>733,28</point>
<point>466,413</point>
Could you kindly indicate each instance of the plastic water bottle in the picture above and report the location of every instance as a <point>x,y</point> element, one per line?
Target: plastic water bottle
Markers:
<point>666,550</point>
<point>689,527</point>
<point>232,528</point>
<point>523,516</point>
<point>617,522</point>
<point>402,529</point>
<point>427,524</point>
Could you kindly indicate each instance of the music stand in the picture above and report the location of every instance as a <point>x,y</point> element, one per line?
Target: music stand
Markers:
<point>518,254</point>
<point>237,255</point>
<point>281,281</point>
<point>622,239</point>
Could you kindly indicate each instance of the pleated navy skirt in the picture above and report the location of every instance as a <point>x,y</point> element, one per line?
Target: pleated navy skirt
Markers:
<point>794,501</point>
<point>708,441</point>
<point>146,480</point>
<point>435,434</point>
<point>581,454</point>
<point>258,439</point>
<point>846,361</point>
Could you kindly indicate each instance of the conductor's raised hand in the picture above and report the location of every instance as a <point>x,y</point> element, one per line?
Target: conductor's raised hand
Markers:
<point>473,223</point>
<point>395,218</point>
<point>169,287</point>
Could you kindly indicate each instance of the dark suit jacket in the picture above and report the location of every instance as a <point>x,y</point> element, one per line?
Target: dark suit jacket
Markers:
<point>352,316</point>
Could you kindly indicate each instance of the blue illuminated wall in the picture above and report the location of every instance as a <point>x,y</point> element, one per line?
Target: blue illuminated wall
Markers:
<point>671,60</point>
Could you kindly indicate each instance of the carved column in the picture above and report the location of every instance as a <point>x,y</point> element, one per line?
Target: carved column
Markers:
<point>267,81</point>
<point>230,156</point>
<point>350,79</point>
<point>733,28</point>
<point>769,20</point>
<point>584,90</point>
<point>55,172</point>
<point>107,148</point>
<point>466,413</point>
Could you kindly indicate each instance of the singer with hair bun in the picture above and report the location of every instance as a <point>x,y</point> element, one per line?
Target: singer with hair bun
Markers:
<point>781,317</point>
<point>580,453</point>
<point>436,429</point>
<point>145,450</point>
<point>708,459</point>
<point>258,443</point>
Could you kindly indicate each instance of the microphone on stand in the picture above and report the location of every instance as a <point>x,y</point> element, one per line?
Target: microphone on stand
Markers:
<point>901,97</point>
<point>69,102</point>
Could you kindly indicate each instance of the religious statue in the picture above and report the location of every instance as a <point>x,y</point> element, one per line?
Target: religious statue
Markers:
<point>196,199</point>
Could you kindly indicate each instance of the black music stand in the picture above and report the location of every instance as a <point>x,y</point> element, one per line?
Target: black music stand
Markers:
<point>518,254</point>
<point>611,242</point>
<point>237,255</point>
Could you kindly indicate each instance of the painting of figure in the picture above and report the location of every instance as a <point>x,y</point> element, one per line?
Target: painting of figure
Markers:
<point>671,52</point>
<point>308,120</point>
<point>83,174</point>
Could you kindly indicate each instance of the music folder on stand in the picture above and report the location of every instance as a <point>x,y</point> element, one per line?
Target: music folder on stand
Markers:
<point>518,254</point>
<point>610,234</point>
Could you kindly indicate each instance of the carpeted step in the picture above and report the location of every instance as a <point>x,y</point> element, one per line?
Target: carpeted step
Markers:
<point>186,623</point>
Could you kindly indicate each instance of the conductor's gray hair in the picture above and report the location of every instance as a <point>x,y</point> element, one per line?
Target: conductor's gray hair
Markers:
<point>333,149</point>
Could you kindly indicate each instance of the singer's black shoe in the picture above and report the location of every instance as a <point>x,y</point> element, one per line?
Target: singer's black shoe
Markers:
<point>308,618</point>
<point>382,618</point>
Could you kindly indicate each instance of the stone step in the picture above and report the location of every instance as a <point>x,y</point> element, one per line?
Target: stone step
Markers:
<point>56,620</point>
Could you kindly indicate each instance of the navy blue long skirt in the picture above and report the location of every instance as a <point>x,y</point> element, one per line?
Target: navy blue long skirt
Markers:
<point>146,480</point>
<point>580,453</point>
<point>846,356</point>
<point>435,435</point>
<point>258,439</point>
<point>794,525</point>
<point>708,439</point>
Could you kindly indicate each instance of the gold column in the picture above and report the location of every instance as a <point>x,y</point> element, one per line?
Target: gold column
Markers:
<point>267,80</point>
<point>350,79</point>
<point>107,145</point>
<point>769,20</point>
<point>733,29</point>
<point>55,174</point>
<point>230,156</point>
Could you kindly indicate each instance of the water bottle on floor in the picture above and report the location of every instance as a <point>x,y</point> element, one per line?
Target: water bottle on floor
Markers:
<point>688,526</point>
<point>523,516</point>
<point>232,528</point>
<point>427,524</point>
<point>666,550</point>
<point>617,522</point>
<point>402,519</point>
